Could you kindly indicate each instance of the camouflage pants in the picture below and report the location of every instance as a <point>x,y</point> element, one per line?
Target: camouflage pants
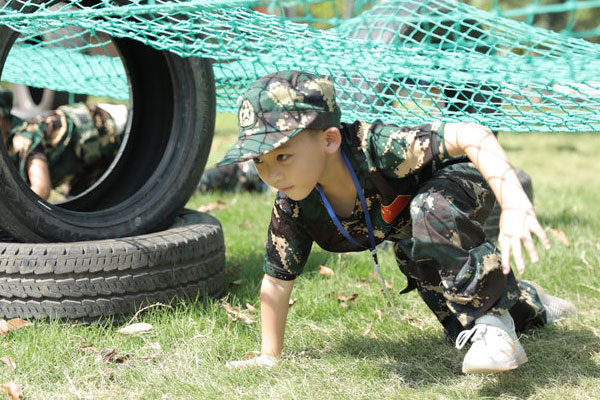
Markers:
<point>456,271</point>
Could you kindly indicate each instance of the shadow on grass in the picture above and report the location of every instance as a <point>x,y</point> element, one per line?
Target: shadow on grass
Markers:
<point>557,356</point>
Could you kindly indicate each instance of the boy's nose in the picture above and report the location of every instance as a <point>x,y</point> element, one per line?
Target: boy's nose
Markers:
<point>275,174</point>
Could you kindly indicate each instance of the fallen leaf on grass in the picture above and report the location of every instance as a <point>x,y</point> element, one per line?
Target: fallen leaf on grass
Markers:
<point>246,224</point>
<point>378,312</point>
<point>88,347</point>
<point>292,302</point>
<point>4,328</point>
<point>110,355</point>
<point>560,236</point>
<point>236,314</point>
<point>370,333</point>
<point>345,299</point>
<point>238,282</point>
<point>135,328</point>
<point>10,363</point>
<point>17,323</point>
<point>251,308</point>
<point>342,297</point>
<point>216,206</point>
<point>326,271</point>
<point>387,284</point>
<point>14,391</point>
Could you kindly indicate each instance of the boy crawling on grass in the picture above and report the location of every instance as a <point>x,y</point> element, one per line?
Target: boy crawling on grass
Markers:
<point>426,188</point>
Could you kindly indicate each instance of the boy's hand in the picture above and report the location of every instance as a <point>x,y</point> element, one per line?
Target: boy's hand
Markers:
<point>516,225</point>
<point>262,361</point>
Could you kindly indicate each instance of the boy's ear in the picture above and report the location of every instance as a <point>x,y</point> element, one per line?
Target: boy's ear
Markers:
<point>333,139</point>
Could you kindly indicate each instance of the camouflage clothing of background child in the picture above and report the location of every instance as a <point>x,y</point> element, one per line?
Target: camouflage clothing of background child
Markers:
<point>420,192</point>
<point>75,143</point>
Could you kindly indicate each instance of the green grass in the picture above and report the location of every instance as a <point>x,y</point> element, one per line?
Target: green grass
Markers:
<point>333,352</point>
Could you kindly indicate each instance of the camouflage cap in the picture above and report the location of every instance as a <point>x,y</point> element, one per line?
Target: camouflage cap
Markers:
<point>6,102</point>
<point>277,107</point>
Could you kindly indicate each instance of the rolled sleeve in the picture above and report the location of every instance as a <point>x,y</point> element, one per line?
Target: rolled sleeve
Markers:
<point>288,245</point>
<point>402,151</point>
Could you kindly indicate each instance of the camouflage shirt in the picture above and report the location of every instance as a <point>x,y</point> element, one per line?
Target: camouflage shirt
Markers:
<point>77,141</point>
<point>390,163</point>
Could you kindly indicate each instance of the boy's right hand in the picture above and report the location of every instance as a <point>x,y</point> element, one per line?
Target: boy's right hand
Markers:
<point>262,361</point>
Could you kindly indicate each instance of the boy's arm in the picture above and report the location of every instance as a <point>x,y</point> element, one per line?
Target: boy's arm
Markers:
<point>38,174</point>
<point>274,305</point>
<point>518,218</point>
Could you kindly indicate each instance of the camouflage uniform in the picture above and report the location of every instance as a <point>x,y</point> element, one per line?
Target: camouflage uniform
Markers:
<point>430,205</point>
<point>78,141</point>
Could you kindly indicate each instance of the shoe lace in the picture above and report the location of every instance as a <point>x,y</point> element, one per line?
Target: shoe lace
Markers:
<point>475,333</point>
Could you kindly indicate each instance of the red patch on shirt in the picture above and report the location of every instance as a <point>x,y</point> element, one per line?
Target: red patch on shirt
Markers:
<point>391,211</point>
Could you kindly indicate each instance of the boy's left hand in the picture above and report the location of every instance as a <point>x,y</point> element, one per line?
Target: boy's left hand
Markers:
<point>262,361</point>
<point>516,226</point>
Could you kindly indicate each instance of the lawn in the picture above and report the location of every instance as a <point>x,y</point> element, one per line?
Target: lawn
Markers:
<point>361,349</point>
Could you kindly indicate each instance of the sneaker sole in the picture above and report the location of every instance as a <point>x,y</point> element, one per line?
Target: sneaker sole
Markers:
<point>488,370</point>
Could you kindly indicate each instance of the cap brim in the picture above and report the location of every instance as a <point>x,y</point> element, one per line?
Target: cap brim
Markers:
<point>249,147</point>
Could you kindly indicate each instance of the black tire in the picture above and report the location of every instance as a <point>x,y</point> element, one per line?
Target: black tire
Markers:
<point>166,145</point>
<point>84,280</point>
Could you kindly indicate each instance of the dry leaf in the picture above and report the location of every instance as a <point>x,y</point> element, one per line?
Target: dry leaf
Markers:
<point>560,236</point>
<point>4,328</point>
<point>251,308</point>
<point>110,355</point>
<point>135,328</point>
<point>17,323</point>
<point>10,363</point>
<point>13,390</point>
<point>236,314</point>
<point>87,347</point>
<point>370,332</point>
<point>218,205</point>
<point>292,302</point>
<point>374,276</point>
<point>328,272</point>
<point>238,282</point>
<point>342,297</point>
<point>378,312</point>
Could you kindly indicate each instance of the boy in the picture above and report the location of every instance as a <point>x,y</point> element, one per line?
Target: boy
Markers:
<point>72,145</point>
<point>418,192</point>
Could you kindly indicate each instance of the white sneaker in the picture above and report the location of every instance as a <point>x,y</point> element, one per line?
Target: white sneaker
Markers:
<point>556,308</point>
<point>495,347</point>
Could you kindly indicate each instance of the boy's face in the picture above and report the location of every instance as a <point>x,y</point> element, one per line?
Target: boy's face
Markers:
<point>296,167</point>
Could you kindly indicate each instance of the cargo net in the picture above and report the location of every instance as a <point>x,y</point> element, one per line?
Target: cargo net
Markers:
<point>401,61</point>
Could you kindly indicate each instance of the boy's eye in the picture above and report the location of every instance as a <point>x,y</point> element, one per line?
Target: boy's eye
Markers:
<point>282,157</point>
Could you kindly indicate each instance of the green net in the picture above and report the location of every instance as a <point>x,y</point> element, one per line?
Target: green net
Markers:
<point>402,61</point>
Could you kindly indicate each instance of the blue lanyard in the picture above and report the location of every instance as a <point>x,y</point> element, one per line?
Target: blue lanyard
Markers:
<point>363,202</point>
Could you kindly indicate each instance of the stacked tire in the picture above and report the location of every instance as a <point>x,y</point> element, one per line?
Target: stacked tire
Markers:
<point>125,241</point>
